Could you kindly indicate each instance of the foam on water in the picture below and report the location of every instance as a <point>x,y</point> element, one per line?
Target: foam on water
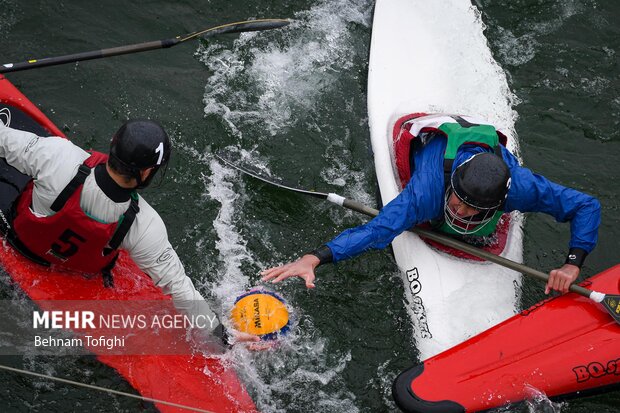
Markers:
<point>519,46</point>
<point>351,183</point>
<point>273,83</point>
<point>283,72</point>
<point>538,402</point>
<point>230,243</point>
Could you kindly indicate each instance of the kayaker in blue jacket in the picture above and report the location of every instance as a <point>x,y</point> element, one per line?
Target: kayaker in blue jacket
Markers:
<point>462,180</point>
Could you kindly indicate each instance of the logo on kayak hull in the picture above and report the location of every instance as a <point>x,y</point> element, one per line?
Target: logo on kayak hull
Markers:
<point>596,370</point>
<point>417,306</point>
<point>5,116</point>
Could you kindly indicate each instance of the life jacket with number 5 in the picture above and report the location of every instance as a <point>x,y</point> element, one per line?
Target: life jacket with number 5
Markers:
<point>71,238</point>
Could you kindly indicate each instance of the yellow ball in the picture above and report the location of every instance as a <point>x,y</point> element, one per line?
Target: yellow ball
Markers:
<point>261,313</point>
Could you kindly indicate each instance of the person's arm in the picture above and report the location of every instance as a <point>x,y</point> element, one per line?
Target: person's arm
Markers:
<point>531,192</point>
<point>397,216</point>
<point>148,245</point>
<point>421,200</point>
<point>29,153</point>
<point>413,205</point>
<point>38,157</point>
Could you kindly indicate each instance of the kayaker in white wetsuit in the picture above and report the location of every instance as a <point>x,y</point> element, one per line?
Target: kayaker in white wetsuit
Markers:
<point>84,235</point>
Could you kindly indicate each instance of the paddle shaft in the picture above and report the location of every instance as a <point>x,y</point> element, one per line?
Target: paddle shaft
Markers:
<point>462,246</point>
<point>236,27</point>
<point>94,54</point>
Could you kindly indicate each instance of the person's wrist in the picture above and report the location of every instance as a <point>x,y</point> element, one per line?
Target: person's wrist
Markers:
<point>312,260</point>
<point>323,254</point>
<point>576,257</point>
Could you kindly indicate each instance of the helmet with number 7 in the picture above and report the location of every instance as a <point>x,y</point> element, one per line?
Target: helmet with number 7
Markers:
<point>140,144</point>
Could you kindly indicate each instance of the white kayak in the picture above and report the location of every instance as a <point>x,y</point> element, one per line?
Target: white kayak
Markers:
<point>432,57</point>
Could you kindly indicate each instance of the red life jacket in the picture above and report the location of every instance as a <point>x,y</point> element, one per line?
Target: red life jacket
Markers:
<point>70,238</point>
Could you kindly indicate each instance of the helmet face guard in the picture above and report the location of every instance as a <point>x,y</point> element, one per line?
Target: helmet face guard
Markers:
<point>466,225</point>
<point>482,183</point>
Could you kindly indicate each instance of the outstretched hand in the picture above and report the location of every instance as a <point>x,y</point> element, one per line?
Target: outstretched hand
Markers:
<point>251,341</point>
<point>560,279</point>
<point>302,268</point>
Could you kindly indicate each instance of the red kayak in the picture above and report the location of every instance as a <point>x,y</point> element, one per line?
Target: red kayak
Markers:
<point>184,378</point>
<point>564,347</point>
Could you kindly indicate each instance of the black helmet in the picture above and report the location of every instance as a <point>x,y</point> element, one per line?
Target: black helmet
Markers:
<point>482,182</point>
<point>140,144</point>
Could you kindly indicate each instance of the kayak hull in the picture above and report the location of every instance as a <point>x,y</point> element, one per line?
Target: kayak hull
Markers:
<point>566,346</point>
<point>408,74</point>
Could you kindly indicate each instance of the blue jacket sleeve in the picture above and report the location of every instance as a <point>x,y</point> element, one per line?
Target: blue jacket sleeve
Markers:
<point>420,201</point>
<point>530,192</point>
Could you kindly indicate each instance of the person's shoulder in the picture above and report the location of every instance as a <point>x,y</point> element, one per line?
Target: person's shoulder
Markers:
<point>511,160</point>
<point>148,227</point>
<point>61,144</point>
<point>147,214</point>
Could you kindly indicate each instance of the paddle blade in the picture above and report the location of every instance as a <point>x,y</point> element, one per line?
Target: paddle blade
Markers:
<point>612,304</point>
<point>247,26</point>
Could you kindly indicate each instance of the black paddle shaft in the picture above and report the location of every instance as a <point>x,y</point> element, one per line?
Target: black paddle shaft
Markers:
<point>94,54</point>
<point>237,27</point>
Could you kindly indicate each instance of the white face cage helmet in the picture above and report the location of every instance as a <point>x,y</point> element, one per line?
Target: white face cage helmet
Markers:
<point>481,182</point>
<point>465,225</point>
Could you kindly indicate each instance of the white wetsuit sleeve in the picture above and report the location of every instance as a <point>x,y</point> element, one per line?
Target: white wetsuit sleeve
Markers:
<point>38,158</point>
<point>147,243</point>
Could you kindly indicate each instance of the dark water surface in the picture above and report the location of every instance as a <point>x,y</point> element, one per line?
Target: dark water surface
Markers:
<point>294,103</point>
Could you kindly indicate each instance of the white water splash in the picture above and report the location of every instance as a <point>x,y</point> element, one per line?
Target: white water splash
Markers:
<point>230,243</point>
<point>271,83</point>
<point>538,402</point>
<point>283,72</point>
<point>304,371</point>
<point>352,183</point>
